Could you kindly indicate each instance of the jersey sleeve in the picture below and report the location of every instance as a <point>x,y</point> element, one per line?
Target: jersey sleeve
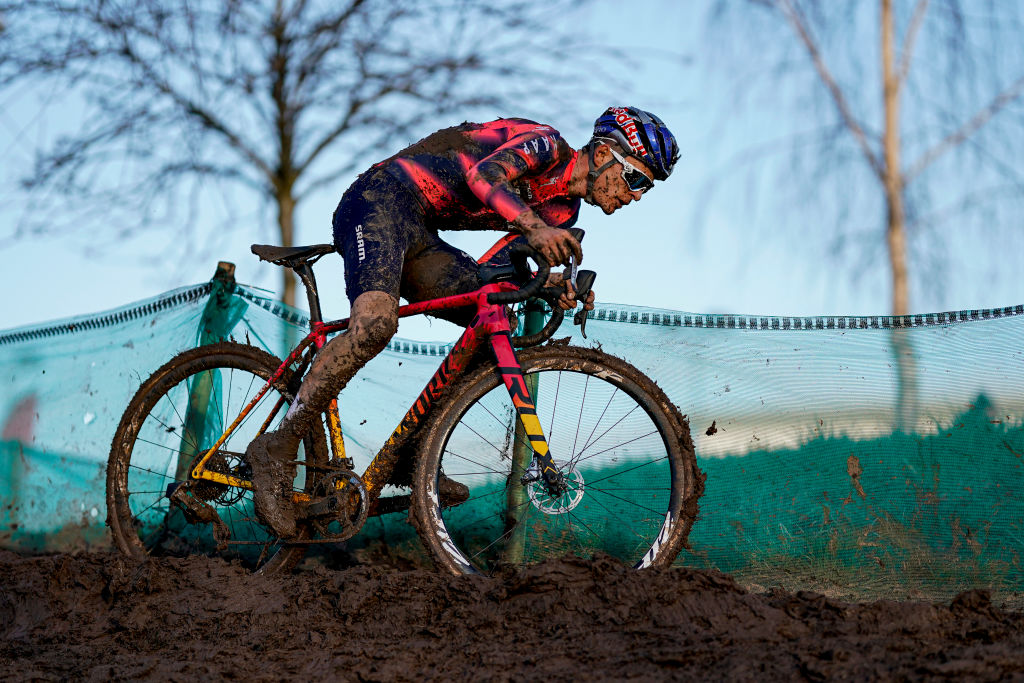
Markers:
<point>530,153</point>
<point>559,213</point>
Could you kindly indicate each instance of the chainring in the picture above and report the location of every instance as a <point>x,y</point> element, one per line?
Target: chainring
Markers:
<point>348,510</point>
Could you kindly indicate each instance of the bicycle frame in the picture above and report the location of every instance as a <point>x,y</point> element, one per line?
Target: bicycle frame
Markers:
<point>489,324</point>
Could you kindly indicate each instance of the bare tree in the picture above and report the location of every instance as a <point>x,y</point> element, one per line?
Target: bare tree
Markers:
<point>914,109</point>
<point>911,107</point>
<point>262,101</point>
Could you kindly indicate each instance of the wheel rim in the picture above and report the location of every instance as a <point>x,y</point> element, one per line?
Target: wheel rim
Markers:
<point>173,431</point>
<point>611,451</point>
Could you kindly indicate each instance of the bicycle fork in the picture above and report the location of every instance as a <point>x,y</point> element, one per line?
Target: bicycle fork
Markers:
<point>542,466</point>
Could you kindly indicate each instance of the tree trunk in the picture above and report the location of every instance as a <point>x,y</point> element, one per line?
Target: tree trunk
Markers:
<point>896,238</point>
<point>895,235</point>
<point>286,224</point>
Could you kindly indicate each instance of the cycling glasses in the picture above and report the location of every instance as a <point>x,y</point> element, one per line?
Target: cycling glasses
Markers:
<point>636,180</point>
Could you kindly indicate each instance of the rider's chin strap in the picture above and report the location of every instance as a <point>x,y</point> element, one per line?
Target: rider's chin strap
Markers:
<point>593,173</point>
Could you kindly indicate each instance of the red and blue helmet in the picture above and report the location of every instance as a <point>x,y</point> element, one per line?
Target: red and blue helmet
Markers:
<point>643,135</point>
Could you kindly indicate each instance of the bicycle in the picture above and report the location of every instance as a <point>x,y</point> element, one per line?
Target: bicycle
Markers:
<point>510,458</point>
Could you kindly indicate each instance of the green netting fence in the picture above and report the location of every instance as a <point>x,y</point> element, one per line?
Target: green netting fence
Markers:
<point>878,452</point>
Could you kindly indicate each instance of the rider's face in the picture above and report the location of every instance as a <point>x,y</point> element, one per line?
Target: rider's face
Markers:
<point>611,192</point>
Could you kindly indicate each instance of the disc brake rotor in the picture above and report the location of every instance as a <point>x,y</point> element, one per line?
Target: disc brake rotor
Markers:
<point>565,501</point>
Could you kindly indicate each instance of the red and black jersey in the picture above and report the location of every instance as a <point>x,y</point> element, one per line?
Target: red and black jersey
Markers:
<point>480,176</point>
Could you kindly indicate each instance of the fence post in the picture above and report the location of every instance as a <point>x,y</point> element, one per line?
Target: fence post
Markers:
<point>517,497</point>
<point>217,320</point>
<point>214,326</point>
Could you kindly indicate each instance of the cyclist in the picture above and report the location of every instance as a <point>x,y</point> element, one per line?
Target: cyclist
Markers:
<point>511,174</point>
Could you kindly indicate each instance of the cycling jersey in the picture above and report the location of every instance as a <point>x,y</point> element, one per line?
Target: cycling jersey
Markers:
<point>480,176</point>
<point>470,177</point>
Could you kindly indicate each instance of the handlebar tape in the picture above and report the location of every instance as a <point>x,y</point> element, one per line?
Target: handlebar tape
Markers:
<point>518,253</point>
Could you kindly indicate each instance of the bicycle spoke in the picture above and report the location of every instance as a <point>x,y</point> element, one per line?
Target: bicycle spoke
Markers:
<point>554,406</point>
<point>484,439</point>
<point>172,430</point>
<point>618,445</point>
<point>486,515</point>
<point>631,469</point>
<point>631,502</point>
<point>503,423</point>
<point>154,472</point>
<point>579,420</point>
<point>586,526</point>
<point>640,537</point>
<point>138,515</point>
<point>617,423</point>
<point>504,535</point>
<point>470,460</point>
<point>597,424</point>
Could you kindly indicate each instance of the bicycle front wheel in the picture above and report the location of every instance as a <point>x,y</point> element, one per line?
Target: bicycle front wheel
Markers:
<point>177,415</point>
<point>622,447</point>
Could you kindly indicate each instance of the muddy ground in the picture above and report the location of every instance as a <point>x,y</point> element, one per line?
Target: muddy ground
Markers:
<point>100,616</point>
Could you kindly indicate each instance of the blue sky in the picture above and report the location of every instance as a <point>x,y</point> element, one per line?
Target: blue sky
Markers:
<point>745,259</point>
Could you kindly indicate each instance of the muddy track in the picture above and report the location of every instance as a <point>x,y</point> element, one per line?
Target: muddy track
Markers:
<point>102,616</point>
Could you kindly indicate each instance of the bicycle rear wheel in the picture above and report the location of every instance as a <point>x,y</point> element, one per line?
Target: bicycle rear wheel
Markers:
<point>177,414</point>
<point>623,448</point>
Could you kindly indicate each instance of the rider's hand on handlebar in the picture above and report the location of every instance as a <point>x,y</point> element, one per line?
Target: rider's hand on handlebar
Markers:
<point>556,245</point>
<point>567,301</point>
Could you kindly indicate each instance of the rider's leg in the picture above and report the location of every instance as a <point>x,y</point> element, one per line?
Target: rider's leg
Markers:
<point>372,225</point>
<point>373,321</point>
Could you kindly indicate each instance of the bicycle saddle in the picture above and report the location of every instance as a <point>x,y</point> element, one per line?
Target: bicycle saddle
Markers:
<point>291,256</point>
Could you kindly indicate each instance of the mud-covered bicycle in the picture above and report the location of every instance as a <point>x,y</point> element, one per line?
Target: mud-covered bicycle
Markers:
<point>504,458</point>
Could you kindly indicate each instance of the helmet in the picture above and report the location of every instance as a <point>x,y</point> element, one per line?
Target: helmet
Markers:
<point>643,134</point>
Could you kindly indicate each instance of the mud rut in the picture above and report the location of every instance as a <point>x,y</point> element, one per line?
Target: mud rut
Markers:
<point>101,616</point>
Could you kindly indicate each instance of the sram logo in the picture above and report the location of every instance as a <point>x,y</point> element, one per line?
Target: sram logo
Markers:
<point>629,127</point>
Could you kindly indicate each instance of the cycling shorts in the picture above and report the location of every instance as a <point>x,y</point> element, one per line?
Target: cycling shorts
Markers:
<point>381,231</point>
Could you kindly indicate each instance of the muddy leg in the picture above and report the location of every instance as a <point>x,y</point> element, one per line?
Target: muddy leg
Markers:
<point>374,320</point>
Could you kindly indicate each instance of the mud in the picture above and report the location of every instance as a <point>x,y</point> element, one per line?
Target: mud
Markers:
<point>438,143</point>
<point>102,616</point>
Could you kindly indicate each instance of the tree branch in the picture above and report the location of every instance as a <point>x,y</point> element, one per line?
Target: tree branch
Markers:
<point>908,41</point>
<point>972,126</point>
<point>839,99</point>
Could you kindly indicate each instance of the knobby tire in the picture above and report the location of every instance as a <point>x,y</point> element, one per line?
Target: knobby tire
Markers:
<point>633,478</point>
<point>151,437</point>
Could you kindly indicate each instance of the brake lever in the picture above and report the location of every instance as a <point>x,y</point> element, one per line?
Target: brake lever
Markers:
<point>582,282</point>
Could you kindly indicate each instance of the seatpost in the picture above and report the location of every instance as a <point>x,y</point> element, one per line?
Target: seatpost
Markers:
<point>305,273</point>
